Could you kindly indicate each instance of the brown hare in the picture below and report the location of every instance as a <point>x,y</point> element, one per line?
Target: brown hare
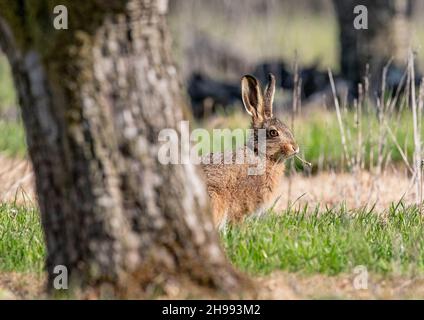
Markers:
<point>233,191</point>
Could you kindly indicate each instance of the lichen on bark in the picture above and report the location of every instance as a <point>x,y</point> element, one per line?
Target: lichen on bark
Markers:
<point>93,100</point>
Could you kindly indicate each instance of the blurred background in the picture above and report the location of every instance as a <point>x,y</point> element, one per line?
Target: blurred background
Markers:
<point>363,127</point>
<point>218,41</point>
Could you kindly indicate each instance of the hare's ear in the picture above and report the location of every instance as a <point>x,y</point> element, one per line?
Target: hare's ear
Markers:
<point>251,95</point>
<point>269,96</point>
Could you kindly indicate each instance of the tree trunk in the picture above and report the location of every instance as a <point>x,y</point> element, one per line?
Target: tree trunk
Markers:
<point>388,36</point>
<point>94,98</point>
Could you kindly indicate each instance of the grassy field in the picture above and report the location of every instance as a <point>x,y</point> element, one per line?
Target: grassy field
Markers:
<point>7,93</point>
<point>318,135</point>
<point>330,241</point>
<point>325,241</point>
<point>21,239</point>
<point>12,142</point>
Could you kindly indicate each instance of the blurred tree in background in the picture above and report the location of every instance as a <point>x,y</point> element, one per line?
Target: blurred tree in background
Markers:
<point>388,36</point>
<point>223,39</point>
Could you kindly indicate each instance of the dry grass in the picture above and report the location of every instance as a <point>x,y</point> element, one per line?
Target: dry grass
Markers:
<point>353,190</point>
<point>291,286</point>
<point>16,181</point>
<point>21,286</point>
<point>277,286</point>
<point>324,188</point>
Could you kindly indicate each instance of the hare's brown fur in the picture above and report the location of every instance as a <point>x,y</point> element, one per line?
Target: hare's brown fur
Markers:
<point>233,192</point>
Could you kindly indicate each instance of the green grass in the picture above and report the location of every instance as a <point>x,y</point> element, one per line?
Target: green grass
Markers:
<point>12,139</point>
<point>330,241</point>
<point>318,135</point>
<point>7,92</point>
<point>326,241</point>
<point>21,239</point>
<point>12,135</point>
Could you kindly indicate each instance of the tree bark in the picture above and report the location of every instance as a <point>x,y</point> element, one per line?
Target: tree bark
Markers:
<point>93,99</point>
<point>387,37</point>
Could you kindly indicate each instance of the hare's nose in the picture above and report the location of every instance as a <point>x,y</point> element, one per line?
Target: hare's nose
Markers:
<point>294,148</point>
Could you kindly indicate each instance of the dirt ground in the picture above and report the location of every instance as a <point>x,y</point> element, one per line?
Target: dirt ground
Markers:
<point>283,285</point>
<point>277,286</point>
<point>15,285</point>
<point>354,190</point>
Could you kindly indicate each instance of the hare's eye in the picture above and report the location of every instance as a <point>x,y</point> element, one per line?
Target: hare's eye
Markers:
<point>273,133</point>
